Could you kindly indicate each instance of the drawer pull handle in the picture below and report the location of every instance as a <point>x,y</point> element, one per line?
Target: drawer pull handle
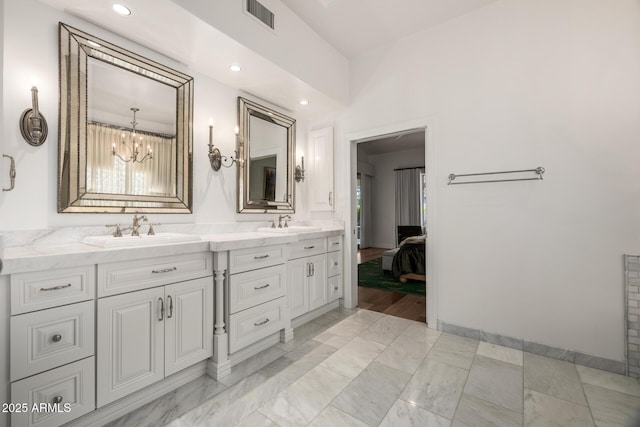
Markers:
<point>264,322</point>
<point>56,288</point>
<point>257,288</point>
<point>261,256</point>
<point>170,307</point>
<point>309,247</point>
<point>161,310</point>
<point>166,270</point>
<point>56,338</point>
<point>335,243</point>
<point>57,399</point>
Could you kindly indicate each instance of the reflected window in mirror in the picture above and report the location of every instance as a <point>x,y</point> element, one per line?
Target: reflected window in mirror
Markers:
<point>126,130</point>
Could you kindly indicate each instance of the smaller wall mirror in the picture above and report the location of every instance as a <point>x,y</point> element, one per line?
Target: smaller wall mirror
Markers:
<point>267,144</point>
<point>125,130</point>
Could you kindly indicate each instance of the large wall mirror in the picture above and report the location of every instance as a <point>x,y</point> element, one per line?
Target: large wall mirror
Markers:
<point>125,130</point>
<point>265,179</point>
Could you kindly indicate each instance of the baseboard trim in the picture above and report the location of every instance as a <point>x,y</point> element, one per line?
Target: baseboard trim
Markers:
<point>615,366</point>
<point>121,407</point>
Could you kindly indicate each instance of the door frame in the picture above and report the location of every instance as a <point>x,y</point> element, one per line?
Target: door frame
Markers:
<point>349,141</point>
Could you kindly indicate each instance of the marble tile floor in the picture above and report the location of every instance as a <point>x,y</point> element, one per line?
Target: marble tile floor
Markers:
<point>363,368</point>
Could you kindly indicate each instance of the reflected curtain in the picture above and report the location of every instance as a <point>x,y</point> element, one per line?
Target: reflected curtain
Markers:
<point>109,174</point>
<point>408,196</point>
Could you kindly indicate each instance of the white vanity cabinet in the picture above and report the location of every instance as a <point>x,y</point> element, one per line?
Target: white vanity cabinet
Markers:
<point>256,295</point>
<point>147,335</point>
<point>307,275</point>
<point>52,344</point>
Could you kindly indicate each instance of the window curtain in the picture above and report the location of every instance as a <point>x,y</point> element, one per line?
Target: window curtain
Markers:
<point>408,197</point>
<point>365,211</point>
<point>107,173</point>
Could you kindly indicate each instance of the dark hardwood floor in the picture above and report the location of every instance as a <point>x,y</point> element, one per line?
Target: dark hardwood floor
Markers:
<point>411,307</point>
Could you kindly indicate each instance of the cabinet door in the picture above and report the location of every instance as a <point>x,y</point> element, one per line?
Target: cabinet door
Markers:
<point>130,343</point>
<point>188,323</point>
<point>318,281</point>
<point>297,287</point>
<point>321,194</point>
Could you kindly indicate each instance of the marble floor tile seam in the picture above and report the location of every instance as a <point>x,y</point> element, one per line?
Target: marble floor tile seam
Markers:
<point>524,390</point>
<point>484,399</point>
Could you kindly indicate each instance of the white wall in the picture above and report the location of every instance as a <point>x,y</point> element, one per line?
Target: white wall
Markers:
<point>32,205</point>
<point>323,67</point>
<point>520,84</point>
<point>384,193</point>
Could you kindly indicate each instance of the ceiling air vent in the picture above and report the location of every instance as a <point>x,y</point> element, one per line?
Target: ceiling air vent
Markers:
<point>258,10</point>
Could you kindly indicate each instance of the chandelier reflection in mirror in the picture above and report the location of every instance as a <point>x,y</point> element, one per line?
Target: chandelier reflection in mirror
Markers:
<point>133,149</point>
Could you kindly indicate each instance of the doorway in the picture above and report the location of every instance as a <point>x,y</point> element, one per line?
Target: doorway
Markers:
<point>389,197</point>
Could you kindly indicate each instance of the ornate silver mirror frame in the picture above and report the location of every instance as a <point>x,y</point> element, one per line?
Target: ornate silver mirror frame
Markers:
<point>265,136</point>
<point>78,50</point>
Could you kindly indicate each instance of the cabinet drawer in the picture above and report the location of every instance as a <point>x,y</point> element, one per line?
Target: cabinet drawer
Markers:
<point>253,324</point>
<point>334,263</point>
<point>252,288</point>
<point>335,288</point>
<point>50,338</point>
<point>65,393</point>
<point>334,243</point>
<point>253,258</point>
<point>306,248</point>
<point>44,289</point>
<point>119,277</point>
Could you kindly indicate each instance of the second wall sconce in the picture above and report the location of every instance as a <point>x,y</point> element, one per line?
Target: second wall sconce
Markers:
<point>216,158</point>
<point>298,174</point>
<point>33,125</point>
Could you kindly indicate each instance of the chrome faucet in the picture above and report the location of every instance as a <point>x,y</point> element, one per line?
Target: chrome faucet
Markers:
<point>280,218</point>
<point>135,227</point>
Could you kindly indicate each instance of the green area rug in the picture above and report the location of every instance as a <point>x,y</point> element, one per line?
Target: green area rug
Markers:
<point>370,275</point>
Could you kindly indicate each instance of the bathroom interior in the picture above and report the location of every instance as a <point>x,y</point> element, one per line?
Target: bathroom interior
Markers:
<point>222,170</point>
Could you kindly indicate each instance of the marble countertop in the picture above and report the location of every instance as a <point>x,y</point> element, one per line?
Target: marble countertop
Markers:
<point>22,259</point>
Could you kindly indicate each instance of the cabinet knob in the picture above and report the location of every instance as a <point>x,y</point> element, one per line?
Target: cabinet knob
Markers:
<point>335,263</point>
<point>57,399</point>
<point>56,338</point>
<point>335,288</point>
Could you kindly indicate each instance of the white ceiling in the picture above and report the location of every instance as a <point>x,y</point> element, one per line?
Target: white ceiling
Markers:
<point>170,30</point>
<point>356,26</point>
<point>348,25</point>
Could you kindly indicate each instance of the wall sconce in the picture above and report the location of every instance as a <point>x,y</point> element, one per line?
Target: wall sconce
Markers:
<point>33,125</point>
<point>298,174</point>
<point>216,158</point>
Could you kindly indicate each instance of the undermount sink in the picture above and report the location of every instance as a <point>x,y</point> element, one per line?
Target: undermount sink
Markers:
<point>142,240</point>
<point>290,229</point>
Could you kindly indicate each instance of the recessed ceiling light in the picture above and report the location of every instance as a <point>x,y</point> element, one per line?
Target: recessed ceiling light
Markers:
<point>235,68</point>
<point>304,102</point>
<point>121,9</point>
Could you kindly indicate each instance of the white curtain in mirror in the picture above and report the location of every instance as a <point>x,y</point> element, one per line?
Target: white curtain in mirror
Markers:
<point>107,173</point>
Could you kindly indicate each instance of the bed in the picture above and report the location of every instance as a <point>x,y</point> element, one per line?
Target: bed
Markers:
<point>409,261</point>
